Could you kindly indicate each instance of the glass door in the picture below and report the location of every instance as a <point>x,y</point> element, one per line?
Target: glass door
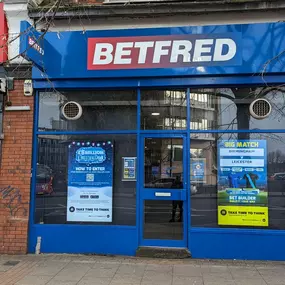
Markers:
<point>163,193</point>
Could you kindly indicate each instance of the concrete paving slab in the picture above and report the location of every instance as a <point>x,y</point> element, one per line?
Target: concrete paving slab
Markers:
<point>127,279</point>
<point>106,265</point>
<point>145,282</point>
<point>187,270</point>
<point>132,269</point>
<point>71,275</point>
<point>274,280</point>
<point>35,280</point>
<point>272,272</point>
<point>101,272</point>
<point>56,282</point>
<point>249,281</point>
<point>94,281</point>
<point>48,268</point>
<point>217,277</point>
<point>214,268</point>
<point>225,282</point>
<point>152,277</point>
<point>245,272</point>
<point>160,268</point>
<point>184,280</point>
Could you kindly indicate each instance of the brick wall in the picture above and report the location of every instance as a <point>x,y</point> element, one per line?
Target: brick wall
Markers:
<point>15,171</point>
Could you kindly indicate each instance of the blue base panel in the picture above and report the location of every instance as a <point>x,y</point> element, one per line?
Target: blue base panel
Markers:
<point>115,240</point>
<point>78,239</point>
<point>237,244</point>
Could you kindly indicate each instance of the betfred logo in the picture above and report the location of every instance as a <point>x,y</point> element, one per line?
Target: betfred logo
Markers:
<point>33,43</point>
<point>162,52</point>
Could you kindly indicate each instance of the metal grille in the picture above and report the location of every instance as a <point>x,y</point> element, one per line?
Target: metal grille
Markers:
<point>71,110</point>
<point>260,108</point>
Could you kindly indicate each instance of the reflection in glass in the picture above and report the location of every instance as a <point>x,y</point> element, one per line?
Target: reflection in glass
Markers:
<point>51,178</point>
<point>163,109</point>
<point>204,202</point>
<point>102,110</point>
<point>163,163</point>
<point>157,220</point>
<point>228,108</point>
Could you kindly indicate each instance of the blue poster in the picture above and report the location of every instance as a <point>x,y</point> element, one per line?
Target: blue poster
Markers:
<point>90,182</point>
<point>198,169</point>
<point>129,168</point>
<point>242,183</point>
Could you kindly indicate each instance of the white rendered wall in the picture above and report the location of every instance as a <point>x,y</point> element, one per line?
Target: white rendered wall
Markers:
<point>169,21</point>
<point>14,14</point>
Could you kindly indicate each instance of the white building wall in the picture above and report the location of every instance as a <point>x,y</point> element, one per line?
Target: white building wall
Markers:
<point>15,13</point>
<point>168,21</point>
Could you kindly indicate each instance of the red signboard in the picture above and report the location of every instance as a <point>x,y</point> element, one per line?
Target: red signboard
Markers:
<point>3,35</point>
<point>160,51</point>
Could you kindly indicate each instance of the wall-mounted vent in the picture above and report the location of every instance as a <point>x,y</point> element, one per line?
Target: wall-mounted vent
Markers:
<point>260,108</point>
<point>71,110</point>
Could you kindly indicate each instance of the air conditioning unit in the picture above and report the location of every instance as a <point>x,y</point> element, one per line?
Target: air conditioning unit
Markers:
<point>71,111</point>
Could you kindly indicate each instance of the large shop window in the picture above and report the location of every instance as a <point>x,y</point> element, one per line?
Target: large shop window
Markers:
<point>240,180</point>
<point>229,108</point>
<point>163,109</point>
<point>101,110</point>
<point>68,189</point>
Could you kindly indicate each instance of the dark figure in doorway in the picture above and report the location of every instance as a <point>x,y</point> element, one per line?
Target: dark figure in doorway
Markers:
<point>177,184</point>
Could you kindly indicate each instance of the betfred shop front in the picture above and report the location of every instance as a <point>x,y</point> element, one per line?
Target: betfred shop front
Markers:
<point>159,138</point>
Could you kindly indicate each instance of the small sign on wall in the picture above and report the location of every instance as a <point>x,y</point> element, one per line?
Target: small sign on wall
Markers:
<point>129,169</point>
<point>28,88</point>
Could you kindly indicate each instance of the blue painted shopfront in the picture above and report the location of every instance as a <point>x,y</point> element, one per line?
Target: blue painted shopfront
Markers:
<point>255,60</point>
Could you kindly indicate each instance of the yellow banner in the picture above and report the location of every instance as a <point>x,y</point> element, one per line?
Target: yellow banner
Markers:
<point>243,216</point>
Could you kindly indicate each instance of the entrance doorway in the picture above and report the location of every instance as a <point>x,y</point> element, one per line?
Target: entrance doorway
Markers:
<point>163,193</point>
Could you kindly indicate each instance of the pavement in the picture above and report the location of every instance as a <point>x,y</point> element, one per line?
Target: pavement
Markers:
<point>103,270</point>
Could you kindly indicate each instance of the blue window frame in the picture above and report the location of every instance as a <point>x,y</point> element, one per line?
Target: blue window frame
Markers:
<point>185,82</point>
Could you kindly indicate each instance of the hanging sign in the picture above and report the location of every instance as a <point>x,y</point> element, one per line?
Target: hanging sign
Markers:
<point>242,183</point>
<point>90,182</point>
<point>129,168</point>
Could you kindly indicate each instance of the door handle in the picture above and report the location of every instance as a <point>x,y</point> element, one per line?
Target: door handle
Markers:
<point>162,194</point>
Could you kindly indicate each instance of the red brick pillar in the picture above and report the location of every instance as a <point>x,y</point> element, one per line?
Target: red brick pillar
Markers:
<point>15,173</point>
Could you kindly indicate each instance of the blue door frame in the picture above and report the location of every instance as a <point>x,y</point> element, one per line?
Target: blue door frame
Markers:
<point>150,193</point>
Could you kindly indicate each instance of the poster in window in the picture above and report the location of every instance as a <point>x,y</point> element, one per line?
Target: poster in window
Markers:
<point>242,183</point>
<point>90,182</point>
<point>198,170</point>
<point>129,168</point>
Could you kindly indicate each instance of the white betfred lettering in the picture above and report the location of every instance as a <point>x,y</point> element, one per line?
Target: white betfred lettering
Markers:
<point>181,47</point>
<point>143,47</point>
<point>164,52</point>
<point>200,48</point>
<point>159,50</point>
<point>121,51</point>
<point>232,49</point>
<point>103,54</point>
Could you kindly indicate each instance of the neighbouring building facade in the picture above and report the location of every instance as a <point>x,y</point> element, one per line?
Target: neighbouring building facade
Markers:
<point>151,125</point>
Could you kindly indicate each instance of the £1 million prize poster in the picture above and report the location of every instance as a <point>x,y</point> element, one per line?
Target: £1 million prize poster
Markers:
<point>90,182</point>
<point>242,183</point>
